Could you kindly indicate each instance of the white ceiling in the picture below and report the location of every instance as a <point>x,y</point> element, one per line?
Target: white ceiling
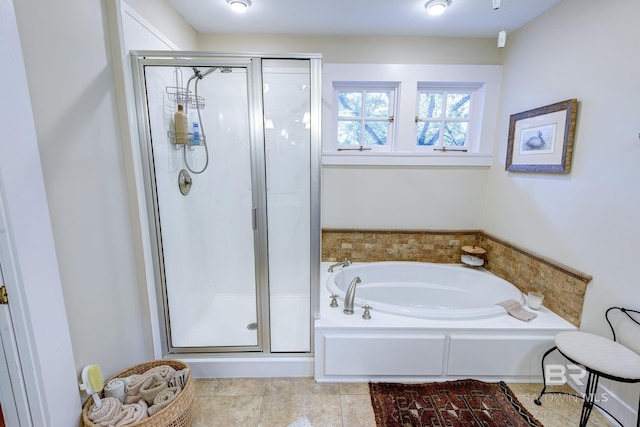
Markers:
<point>464,18</point>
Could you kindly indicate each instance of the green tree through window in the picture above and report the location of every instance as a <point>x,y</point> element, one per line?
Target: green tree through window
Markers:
<point>365,115</point>
<point>443,118</point>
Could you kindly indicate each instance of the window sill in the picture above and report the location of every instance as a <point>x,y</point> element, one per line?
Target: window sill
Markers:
<point>408,159</point>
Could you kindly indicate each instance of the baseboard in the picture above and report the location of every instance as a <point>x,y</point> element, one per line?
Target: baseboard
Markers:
<point>608,400</point>
<point>249,367</point>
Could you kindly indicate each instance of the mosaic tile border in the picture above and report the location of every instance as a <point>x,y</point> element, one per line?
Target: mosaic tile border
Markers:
<point>563,286</point>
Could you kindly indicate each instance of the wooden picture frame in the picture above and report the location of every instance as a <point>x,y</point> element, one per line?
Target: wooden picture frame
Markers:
<point>541,140</point>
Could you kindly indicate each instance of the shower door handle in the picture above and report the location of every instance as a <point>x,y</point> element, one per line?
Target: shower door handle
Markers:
<point>254,218</point>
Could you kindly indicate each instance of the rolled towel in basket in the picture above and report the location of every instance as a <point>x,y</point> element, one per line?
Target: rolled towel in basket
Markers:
<point>132,413</point>
<point>116,388</point>
<point>180,378</point>
<point>151,387</point>
<point>107,413</point>
<point>163,398</point>
<point>133,391</point>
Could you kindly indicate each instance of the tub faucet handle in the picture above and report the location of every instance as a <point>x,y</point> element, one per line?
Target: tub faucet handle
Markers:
<point>366,315</point>
<point>334,300</point>
<point>345,263</point>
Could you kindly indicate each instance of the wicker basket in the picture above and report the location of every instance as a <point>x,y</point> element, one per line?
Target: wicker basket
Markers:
<point>176,414</point>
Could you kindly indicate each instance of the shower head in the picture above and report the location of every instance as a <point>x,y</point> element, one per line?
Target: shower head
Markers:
<point>200,75</point>
<point>209,71</point>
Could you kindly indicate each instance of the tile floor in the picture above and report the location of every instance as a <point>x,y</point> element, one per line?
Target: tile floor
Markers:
<point>279,402</point>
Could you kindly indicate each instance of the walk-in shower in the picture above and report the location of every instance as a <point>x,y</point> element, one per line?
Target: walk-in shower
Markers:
<point>233,203</point>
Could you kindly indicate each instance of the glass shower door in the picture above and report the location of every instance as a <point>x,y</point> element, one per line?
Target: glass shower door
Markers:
<point>206,235</point>
<point>287,111</point>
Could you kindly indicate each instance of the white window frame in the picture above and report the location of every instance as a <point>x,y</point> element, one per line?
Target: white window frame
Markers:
<point>404,153</point>
<point>392,88</point>
<point>471,143</point>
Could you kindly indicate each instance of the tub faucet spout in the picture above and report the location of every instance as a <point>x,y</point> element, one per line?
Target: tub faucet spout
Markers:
<point>344,263</point>
<point>350,296</point>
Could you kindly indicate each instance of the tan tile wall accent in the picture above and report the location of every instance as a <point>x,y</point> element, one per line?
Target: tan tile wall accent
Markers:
<point>395,245</point>
<point>562,286</point>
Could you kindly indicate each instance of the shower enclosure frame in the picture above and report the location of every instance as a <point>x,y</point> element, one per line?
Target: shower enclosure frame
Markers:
<point>253,64</point>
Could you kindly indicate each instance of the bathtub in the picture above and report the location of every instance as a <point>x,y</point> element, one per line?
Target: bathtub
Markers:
<point>425,290</point>
<point>429,322</point>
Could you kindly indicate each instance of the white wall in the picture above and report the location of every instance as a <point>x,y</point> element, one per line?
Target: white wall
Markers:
<point>74,106</point>
<point>164,17</point>
<point>71,83</point>
<point>41,363</point>
<point>362,50</point>
<point>409,197</point>
<point>587,219</point>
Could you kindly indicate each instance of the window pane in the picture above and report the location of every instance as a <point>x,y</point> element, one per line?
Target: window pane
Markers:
<point>428,133</point>
<point>349,104</point>
<point>348,132</point>
<point>455,134</point>
<point>375,133</point>
<point>458,105</point>
<point>377,104</point>
<point>430,105</point>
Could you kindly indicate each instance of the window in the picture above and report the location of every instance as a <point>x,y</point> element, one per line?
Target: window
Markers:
<point>365,116</point>
<point>409,114</point>
<point>444,116</point>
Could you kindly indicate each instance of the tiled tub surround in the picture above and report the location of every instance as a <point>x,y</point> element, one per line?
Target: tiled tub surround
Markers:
<point>563,287</point>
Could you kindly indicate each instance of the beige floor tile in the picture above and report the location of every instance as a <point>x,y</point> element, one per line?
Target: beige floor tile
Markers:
<point>357,410</point>
<point>278,402</point>
<point>226,411</point>
<point>557,410</point>
<point>322,410</point>
<point>230,386</point>
<point>354,388</point>
<point>298,386</point>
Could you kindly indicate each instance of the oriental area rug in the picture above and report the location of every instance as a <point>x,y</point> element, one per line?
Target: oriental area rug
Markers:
<point>459,403</point>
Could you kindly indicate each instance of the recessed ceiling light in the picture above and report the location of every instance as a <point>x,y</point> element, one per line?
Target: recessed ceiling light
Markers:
<point>239,6</point>
<point>437,7</point>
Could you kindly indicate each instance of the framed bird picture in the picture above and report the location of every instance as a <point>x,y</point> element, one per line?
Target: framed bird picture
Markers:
<point>541,140</point>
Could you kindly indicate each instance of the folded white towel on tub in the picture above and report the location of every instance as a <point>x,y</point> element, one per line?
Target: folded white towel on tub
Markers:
<point>516,310</point>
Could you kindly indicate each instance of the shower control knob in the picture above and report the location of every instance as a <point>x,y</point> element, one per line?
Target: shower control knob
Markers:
<point>334,300</point>
<point>366,315</point>
<point>184,182</point>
